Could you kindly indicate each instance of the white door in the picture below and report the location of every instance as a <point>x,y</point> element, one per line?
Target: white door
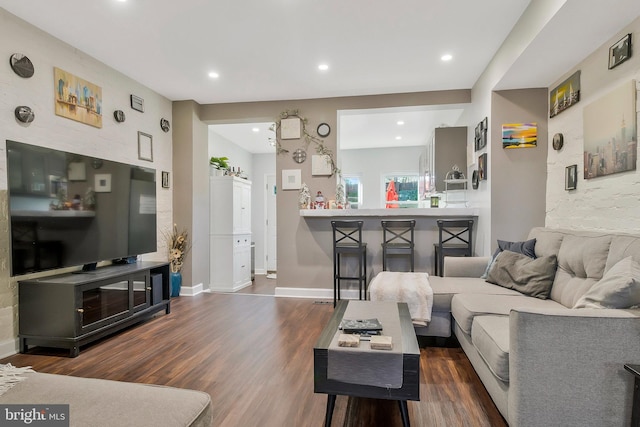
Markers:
<point>270,252</point>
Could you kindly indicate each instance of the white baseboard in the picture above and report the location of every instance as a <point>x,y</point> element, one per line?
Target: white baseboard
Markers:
<point>232,289</point>
<point>190,291</point>
<point>261,271</point>
<point>9,347</point>
<point>319,293</point>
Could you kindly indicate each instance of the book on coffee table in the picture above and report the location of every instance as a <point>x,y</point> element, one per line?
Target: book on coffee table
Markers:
<point>381,342</point>
<point>369,326</point>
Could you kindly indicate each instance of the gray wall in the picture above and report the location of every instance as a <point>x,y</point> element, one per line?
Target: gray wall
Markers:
<point>518,191</point>
<point>450,148</point>
<point>262,165</point>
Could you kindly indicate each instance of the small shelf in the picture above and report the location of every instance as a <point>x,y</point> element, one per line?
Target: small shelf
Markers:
<point>53,214</point>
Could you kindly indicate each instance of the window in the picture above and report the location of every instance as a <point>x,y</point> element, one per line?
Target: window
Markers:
<point>406,187</point>
<point>353,190</point>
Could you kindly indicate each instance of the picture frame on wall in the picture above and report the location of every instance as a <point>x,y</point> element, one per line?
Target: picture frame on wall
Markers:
<point>571,177</point>
<point>620,51</point>
<point>165,179</point>
<point>483,172</point>
<point>565,95</point>
<point>145,146</point>
<point>291,179</point>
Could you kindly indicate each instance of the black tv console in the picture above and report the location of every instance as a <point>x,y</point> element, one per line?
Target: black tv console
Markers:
<point>70,310</point>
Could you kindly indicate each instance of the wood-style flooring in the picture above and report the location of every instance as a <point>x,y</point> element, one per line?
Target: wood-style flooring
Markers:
<point>254,356</point>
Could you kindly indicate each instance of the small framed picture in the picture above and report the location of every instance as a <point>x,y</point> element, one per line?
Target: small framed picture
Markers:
<point>290,128</point>
<point>145,146</point>
<point>137,103</point>
<point>103,182</point>
<point>620,52</point>
<point>291,179</point>
<point>570,177</point>
<point>165,179</point>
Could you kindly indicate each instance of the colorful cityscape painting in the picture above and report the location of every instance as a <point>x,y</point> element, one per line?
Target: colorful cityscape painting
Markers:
<point>77,99</point>
<point>519,135</point>
<point>610,133</point>
<point>565,95</point>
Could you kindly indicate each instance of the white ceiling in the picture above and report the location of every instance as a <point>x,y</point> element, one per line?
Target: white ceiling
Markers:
<point>270,49</point>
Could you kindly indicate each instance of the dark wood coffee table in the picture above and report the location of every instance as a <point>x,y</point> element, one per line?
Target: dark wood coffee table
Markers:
<point>410,389</point>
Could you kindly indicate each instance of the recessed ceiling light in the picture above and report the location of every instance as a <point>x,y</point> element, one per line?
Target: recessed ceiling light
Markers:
<point>323,67</point>
<point>214,75</point>
<point>398,138</point>
<point>256,129</point>
<point>400,122</point>
<point>446,57</point>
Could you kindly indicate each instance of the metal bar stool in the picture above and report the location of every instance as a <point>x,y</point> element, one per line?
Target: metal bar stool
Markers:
<point>455,238</point>
<point>397,239</point>
<point>347,240</point>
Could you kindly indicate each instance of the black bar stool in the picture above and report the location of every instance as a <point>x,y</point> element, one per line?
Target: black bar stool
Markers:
<point>347,240</point>
<point>455,238</point>
<point>397,239</point>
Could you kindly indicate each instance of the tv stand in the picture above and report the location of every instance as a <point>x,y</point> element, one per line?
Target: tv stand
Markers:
<point>70,310</point>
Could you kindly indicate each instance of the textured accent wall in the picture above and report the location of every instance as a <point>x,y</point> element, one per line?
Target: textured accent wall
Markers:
<point>114,141</point>
<point>611,202</point>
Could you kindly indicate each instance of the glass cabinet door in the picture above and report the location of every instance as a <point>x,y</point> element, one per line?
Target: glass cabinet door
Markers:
<point>141,292</point>
<point>103,303</point>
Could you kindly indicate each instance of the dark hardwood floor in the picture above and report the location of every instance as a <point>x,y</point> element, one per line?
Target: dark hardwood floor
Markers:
<point>254,356</point>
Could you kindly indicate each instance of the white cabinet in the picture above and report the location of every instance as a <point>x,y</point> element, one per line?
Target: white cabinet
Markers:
<point>230,239</point>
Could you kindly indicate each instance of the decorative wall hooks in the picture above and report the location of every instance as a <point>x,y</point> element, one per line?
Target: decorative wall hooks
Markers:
<point>24,114</point>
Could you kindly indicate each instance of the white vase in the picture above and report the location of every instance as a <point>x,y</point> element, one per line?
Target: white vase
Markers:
<point>215,172</point>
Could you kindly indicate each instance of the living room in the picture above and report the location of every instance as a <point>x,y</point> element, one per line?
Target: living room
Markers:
<point>524,189</point>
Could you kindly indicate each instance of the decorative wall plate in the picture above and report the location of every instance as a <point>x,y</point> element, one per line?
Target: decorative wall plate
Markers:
<point>299,155</point>
<point>165,125</point>
<point>475,179</point>
<point>119,116</point>
<point>24,114</point>
<point>21,65</point>
<point>558,141</point>
<point>323,130</point>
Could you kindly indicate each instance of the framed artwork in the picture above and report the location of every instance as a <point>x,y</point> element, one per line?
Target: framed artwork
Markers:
<point>481,135</point>
<point>77,99</point>
<point>483,171</point>
<point>137,103</point>
<point>321,165</point>
<point>290,128</point>
<point>565,95</point>
<point>103,183</point>
<point>610,129</point>
<point>620,52</point>
<point>145,146</point>
<point>77,171</point>
<point>570,177</point>
<point>165,179</point>
<point>291,179</point>
<point>519,135</point>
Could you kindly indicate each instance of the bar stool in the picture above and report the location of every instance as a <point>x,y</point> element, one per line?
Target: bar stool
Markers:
<point>397,239</point>
<point>455,238</point>
<point>347,240</point>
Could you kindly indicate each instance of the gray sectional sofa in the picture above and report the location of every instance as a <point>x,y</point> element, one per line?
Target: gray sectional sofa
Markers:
<point>543,362</point>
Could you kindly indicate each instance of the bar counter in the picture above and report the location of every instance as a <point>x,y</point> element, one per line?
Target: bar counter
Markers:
<point>318,223</point>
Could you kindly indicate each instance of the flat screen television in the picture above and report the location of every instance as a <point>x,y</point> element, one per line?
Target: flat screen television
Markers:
<point>67,209</point>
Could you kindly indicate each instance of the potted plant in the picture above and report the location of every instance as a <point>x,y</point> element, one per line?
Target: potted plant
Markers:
<point>220,164</point>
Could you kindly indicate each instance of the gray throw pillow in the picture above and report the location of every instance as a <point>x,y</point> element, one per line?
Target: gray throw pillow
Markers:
<point>532,277</point>
<point>526,248</point>
<point>618,288</point>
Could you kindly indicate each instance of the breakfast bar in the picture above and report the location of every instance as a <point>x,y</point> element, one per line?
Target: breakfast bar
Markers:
<point>426,231</point>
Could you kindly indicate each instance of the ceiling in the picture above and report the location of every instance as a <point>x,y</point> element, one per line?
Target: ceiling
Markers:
<point>270,49</point>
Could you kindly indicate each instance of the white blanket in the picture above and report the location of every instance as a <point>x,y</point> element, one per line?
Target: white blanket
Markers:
<point>412,288</point>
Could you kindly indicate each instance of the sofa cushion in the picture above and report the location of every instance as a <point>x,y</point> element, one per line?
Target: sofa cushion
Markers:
<point>581,262</point>
<point>532,277</point>
<point>444,288</point>
<point>490,336</point>
<point>464,307</point>
<point>618,288</point>
<point>548,241</point>
<point>621,247</point>
<point>526,248</point>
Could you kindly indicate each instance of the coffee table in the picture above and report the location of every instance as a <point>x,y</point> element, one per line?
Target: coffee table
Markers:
<point>410,389</point>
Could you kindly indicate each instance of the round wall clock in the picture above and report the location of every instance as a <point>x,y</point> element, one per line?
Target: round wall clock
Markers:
<point>164,125</point>
<point>21,65</point>
<point>558,141</point>
<point>299,155</point>
<point>323,130</point>
<point>119,116</point>
<point>96,163</point>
